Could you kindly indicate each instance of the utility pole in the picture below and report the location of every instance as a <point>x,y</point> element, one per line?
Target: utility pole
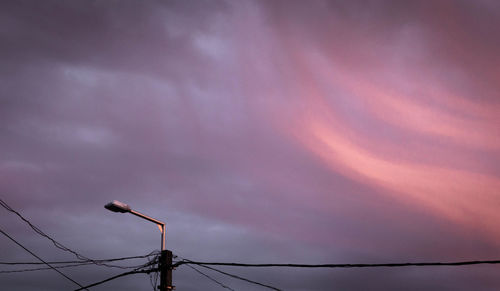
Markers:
<point>165,271</point>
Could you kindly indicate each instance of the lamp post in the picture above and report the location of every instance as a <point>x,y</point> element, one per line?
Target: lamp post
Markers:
<point>165,264</point>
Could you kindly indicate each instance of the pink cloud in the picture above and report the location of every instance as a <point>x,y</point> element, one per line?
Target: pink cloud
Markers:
<point>460,194</point>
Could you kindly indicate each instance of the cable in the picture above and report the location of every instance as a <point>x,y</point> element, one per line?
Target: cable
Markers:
<point>186,261</point>
<point>212,279</point>
<point>45,268</point>
<point>136,271</point>
<point>33,254</point>
<point>56,243</point>
<point>460,263</point>
<point>76,262</point>
<point>72,264</point>
<point>240,278</point>
<point>112,278</point>
<point>153,279</point>
<point>153,276</point>
<point>206,265</point>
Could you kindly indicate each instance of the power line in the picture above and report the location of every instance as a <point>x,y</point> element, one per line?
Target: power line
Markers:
<point>212,279</point>
<point>33,254</point>
<point>153,277</point>
<point>76,262</point>
<point>422,264</point>
<point>56,243</point>
<point>136,271</point>
<point>44,268</point>
<point>39,263</point>
<point>112,278</point>
<point>189,262</point>
<point>58,266</point>
<point>241,278</point>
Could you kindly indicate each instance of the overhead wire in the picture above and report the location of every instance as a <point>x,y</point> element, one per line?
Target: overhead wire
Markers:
<point>56,243</point>
<point>153,276</point>
<point>44,268</point>
<point>241,278</point>
<point>420,264</point>
<point>376,265</point>
<point>154,253</point>
<point>153,279</point>
<point>112,278</point>
<point>142,269</point>
<point>58,266</point>
<point>186,261</point>
<point>36,256</point>
<point>211,278</point>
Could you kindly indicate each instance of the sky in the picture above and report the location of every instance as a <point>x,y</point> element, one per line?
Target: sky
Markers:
<point>261,132</point>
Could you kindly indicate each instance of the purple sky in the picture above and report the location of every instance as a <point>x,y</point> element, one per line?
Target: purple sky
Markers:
<point>260,131</point>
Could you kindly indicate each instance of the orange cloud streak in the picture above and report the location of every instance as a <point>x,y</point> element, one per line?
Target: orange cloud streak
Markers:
<point>480,131</point>
<point>464,196</point>
<point>459,195</point>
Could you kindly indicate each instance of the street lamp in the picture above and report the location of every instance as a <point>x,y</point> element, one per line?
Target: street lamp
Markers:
<point>117,206</point>
<point>165,263</point>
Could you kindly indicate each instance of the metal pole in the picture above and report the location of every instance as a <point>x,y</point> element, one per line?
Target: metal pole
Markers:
<point>161,224</point>
<point>146,217</point>
<point>162,237</point>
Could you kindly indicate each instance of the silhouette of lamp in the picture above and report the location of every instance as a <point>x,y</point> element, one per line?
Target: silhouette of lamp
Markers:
<point>117,206</point>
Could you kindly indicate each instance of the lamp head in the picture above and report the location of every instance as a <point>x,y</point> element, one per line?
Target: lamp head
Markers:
<point>117,206</point>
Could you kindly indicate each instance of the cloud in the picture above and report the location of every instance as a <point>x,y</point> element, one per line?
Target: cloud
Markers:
<point>332,131</point>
